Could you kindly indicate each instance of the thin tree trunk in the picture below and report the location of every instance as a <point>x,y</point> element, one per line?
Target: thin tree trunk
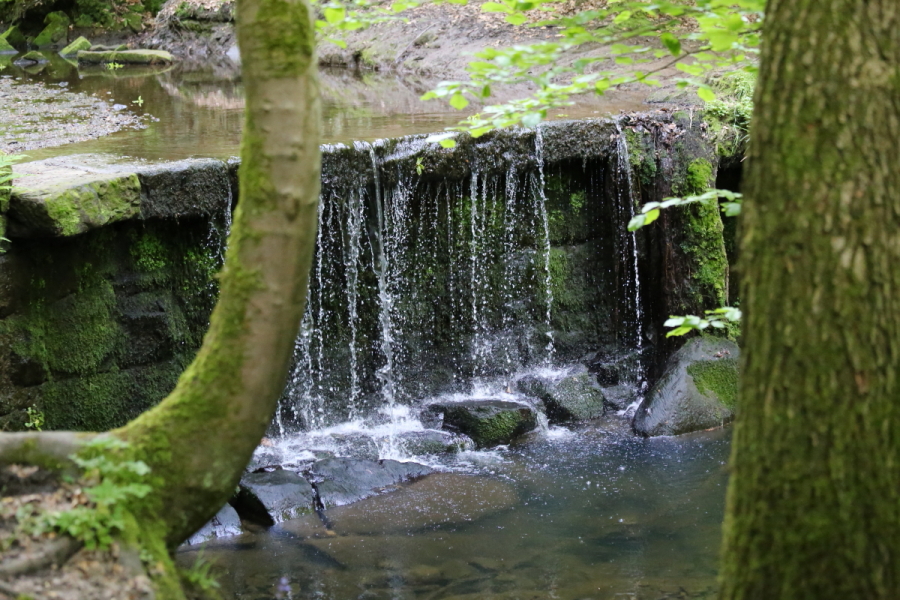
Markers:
<point>199,439</point>
<point>814,502</point>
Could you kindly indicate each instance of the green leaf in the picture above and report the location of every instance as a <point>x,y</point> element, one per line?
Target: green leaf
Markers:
<point>651,216</point>
<point>458,101</point>
<point>448,143</point>
<point>516,19</point>
<point>622,16</point>
<point>335,15</point>
<point>494,7</point>
<point>706,94</point>
<point>671,42</point>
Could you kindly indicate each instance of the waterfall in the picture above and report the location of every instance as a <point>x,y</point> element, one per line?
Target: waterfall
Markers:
<point>452,276</point>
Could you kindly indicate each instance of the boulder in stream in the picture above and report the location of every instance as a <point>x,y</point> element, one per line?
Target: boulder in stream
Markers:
<point>226,523</point>
<point>57,26</point>
<point>433,441</point>
<point>269,498</point>
<point>573,398</point>
<point>698,390</point>
<point>488,421</point>
<point>341,481</point>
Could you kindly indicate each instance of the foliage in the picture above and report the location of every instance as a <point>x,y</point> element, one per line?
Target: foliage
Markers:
<point>35,418</point>
<point>113,66</point>
<point>650,211</point>
<point>719,318</point>
<point>108,484</point>
<point>725,33</point>
<point>198,575</point>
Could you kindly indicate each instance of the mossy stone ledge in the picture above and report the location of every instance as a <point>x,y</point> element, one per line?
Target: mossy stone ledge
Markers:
<point>126,57</point>
<point>82,43</point>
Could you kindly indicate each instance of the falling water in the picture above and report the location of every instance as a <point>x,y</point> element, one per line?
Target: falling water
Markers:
<point>625,184</point>
<point>385,374</point>
<point>545,221</point>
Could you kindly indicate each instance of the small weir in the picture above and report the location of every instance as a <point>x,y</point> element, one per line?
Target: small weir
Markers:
<point>443,276</point>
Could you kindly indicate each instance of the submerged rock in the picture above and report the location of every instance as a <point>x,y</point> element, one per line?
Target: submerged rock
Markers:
<point>697,391</point>
<point>269,498</point>
<point>572,398</point>
<point>226,523</point>
<point>438,499</point>
<point>126,57</point>
<point>82,43</point>
<point>341,481</point>
<point>488,422</point>
<point>30,58</point>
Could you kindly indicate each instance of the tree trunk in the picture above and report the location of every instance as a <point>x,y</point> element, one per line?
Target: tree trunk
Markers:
<point>814,503</point>
<point>199,439</point>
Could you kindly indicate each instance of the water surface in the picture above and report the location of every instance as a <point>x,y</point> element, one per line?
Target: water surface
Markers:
<point>590,513</point>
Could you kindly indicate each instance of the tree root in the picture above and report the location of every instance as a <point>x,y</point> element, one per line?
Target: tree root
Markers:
<point>56,552</point>
<point>49,450</point>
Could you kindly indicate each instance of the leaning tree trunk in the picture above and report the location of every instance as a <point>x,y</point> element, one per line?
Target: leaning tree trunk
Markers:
<point>199,439</point>
<point>814,502</point>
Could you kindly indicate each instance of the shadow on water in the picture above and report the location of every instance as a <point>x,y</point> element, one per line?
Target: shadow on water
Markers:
<point>593,513</point>
<point>198,111</point>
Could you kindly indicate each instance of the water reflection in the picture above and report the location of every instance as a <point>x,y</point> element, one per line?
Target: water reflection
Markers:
<point>197,111</point>
<point>595,514</point>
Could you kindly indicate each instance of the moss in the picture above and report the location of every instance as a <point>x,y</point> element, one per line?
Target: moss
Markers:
<point>641,156</point>
<point>703,239</point>
<point>6,46</point>
<point>718,378</point>
<point>285,37</point>
<point>148,253</point>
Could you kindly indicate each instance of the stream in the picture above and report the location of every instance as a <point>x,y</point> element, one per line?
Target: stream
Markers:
<point>574,512</point>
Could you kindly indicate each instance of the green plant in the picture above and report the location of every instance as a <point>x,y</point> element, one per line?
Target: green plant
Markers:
<point>420,168</point>
<point>198,575</point>
<point>112,66</point>
<point>139,101</point>
<point>108,483</point>
<point>35,418</point>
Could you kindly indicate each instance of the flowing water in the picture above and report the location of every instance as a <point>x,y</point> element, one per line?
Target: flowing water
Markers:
<point>588,513</point>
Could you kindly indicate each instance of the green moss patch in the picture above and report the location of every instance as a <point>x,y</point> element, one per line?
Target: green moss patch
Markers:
<point>718,378</point>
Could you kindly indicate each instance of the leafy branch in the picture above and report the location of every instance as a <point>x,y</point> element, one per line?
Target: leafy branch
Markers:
<point>718,318</point>
<point>650,211</point>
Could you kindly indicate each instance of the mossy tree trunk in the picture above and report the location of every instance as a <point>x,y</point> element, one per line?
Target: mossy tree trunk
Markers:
<point>200,438</point>
<point>813,507</point>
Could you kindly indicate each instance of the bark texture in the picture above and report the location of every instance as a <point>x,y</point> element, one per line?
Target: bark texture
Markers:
<point>199,439</point>
<point>814,502</point>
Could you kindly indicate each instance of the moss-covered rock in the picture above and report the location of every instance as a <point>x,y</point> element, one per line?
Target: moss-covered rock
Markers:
<point>14,37</point>
<point>126,57</point>
<point>6,47</point>
<point>57,26</point>
<point>698,390</point>
<point>573,398</point>
<point>82,43</point>
<point>488,422</point>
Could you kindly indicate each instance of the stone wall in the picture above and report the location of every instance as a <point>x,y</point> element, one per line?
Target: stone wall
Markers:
<point>434,266</point>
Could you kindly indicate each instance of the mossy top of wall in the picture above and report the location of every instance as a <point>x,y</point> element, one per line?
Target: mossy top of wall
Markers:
<point>107,286</point>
